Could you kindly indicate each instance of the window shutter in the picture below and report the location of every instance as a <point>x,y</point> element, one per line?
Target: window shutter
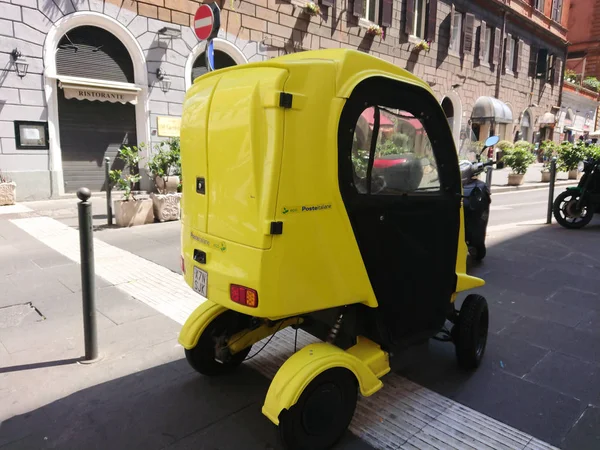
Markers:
<point>452,12</point>
<point>387,7</point>
<point>327,2</point>
<point>519,49</point>
<point>357,8</point>
<point>431,20</point>
<point>550,68</point>
<point>482,42</point>
<point>469,28</point>
<point>410,17</point>
<point>496,54</point>
<point>557,70</point>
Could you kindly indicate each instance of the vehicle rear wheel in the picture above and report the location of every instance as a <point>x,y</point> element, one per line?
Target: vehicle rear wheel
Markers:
<point>470,338</point>
<point>203,357</point>
<point>566,212</point>
<point>323,412</point>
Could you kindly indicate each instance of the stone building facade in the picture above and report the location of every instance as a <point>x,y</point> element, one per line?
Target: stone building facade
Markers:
<point>97,70</point>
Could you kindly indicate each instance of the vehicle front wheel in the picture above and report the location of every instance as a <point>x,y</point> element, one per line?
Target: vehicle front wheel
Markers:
<point>204,356</point>
<point>566,212</point>
<point>323,412</point>
<point>478,252</point>
<point>470,331</point>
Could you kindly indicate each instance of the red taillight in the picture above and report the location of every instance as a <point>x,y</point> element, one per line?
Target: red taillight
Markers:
<point>243,296</point>
<point>385,163</point>
<point>182,265</point>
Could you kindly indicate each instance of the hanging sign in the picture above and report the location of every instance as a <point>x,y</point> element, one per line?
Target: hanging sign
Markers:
<point>207,21</point>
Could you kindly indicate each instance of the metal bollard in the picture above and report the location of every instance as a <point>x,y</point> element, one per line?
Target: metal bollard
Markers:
<point>109,215</point>
<point>551,189</point>
<point>88,280</point>
<point>488,177</point>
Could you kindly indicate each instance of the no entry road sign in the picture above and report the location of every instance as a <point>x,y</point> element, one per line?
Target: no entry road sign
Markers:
<point>207,21</point>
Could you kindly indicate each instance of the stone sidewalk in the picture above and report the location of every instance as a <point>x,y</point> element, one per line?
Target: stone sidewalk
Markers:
<point>532,179</point>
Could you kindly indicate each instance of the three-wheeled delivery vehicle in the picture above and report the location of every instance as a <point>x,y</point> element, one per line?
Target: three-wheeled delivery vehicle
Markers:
<point>321,190</point>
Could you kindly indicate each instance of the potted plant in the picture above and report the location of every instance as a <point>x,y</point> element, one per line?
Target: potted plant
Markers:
<point>423,45</point>
<point>164,168</point>
<point>503,148</point>
<point>8,190</point>
<point>312,9</point>
<point>569,155</point>
<point>130,211</point>
<point>374,30</point>
<point>548,149</point>
<point>518,159</point>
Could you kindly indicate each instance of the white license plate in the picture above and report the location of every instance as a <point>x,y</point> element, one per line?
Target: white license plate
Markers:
<point>200,281</point>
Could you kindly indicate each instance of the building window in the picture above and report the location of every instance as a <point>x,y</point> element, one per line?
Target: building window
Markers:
<point>420,22</point>
<point>485,44</point>
<point>510,61</point>
<point>455,31</point>
<point>421,19</point>
<point>369,8</point>
<point>557,10</point>
<point>539,5</point>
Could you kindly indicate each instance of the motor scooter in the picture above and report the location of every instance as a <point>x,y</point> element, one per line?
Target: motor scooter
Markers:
<point>477,198</point>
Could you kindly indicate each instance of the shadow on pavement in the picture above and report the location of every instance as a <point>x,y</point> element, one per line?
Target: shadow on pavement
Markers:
<point>541,370</point>
<point>165,407</point>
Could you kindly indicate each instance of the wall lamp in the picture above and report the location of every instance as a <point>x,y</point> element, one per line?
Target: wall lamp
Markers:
<point>165,81</point>
<point>21,64</point>
<point>170,32</point>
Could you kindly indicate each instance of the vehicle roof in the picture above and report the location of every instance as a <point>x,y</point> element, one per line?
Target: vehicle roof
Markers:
<point>352,67</point>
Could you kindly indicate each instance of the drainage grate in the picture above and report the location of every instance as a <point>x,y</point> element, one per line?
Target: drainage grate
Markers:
<point>20,314</point>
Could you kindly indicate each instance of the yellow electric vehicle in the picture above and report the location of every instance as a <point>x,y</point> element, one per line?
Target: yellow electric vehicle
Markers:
<point>322,191</point>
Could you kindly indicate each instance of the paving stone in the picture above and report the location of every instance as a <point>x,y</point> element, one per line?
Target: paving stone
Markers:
<point>539,308</point>
<point>568,375</point>
<point>70,277</point>
<point>120,307</point>
<point>585,435</point>
<point>578,299</point>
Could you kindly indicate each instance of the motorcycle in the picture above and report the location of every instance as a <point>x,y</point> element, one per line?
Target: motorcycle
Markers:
<point>575,207</point>
<point>477,200</point>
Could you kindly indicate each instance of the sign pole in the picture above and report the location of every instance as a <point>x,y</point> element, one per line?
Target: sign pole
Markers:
<point>207,22</point>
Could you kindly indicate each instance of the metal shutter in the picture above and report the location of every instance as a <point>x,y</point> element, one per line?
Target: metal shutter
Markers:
<point>89,131</point>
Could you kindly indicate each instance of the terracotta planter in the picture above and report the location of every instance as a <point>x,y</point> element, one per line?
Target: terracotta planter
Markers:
<point>133,212</point>
<point>8,193</point>
<point>545,177</point>
<point>167,185</point>
<point>574,174</point>
<point>515,179</point>
<point>166,206</point>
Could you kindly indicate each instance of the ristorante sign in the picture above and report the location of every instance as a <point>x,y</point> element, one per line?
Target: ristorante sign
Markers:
<point>99,94</point>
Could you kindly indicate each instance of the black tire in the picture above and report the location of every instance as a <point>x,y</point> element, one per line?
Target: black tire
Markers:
<point>323,412</point>
<point>478,252</point>
<point>470,338</point>
<point>565,214</point>
<point>202,357</point>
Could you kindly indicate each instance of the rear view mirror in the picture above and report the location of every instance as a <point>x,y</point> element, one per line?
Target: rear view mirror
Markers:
<point>491,141</point>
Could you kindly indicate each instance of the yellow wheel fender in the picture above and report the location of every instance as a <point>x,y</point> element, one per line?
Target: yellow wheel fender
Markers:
<point>197,322</point>
<point>305,365</point>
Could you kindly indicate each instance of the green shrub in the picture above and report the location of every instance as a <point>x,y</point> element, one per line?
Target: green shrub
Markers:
<point>127,178</point>
<point>519,159</point>
<point>569,155</point>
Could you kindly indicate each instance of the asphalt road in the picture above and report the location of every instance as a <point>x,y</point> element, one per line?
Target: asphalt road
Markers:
<point>520,206</point>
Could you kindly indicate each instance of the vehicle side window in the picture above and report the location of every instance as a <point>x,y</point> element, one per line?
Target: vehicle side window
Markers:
<point>402,157</point>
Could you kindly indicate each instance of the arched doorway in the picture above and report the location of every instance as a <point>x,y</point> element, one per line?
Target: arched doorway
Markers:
<point>226,55</point>
<point>452,107</point>
<point>96,111</point>
<point>526,127</point>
